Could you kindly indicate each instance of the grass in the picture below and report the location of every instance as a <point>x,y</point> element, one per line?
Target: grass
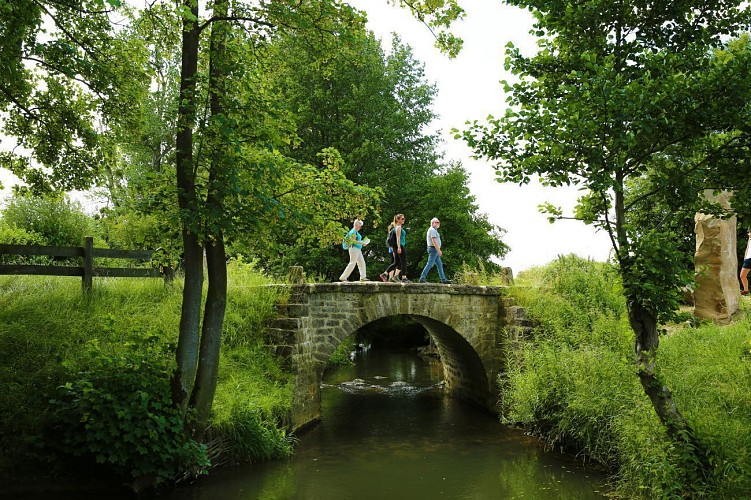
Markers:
<point>48,331</point>
<point>574,384</point>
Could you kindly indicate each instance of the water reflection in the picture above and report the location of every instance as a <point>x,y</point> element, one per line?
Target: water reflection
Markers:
<point>388,431</point>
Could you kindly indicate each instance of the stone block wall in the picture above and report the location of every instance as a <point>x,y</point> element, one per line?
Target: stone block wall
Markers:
<point>466,323</point>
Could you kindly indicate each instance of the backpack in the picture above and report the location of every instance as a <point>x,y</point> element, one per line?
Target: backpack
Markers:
<point>391,239</point>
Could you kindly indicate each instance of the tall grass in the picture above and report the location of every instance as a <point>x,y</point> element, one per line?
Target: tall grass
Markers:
<point>46,326</point>
<point>52,336</point>
<point>574,384</point>
<point>254,394</point>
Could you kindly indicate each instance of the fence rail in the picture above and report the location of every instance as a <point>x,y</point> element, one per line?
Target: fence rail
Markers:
<point>86,271</point>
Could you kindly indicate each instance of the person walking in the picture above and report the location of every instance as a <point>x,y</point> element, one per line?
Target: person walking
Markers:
<point>354,243</point>
<point>746,267</point>
<point>433,239</point>
<point>398,249</point>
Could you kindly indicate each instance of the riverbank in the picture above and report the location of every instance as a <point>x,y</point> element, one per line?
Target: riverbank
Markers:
<point>57,346</point>
<point>573,383</point>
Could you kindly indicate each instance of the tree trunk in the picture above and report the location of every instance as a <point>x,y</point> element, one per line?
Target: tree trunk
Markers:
<point>190,322</point>
<point>211,334</point>
<point>692,454</point>
<point>190,315</point>
<point>647,340</point>
<point>694,457</point>
<point>216,298</point>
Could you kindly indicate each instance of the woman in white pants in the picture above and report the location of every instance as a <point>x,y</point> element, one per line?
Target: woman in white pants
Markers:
<point>354,243</point>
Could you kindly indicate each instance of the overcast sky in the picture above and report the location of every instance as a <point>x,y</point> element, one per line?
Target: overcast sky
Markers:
<point>469,89</point>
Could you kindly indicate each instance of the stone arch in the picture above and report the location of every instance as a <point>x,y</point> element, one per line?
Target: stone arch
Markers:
<point>467,324</point>
<point>464,375</point>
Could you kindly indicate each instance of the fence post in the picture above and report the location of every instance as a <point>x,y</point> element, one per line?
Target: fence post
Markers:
<point>295,275</point>
<point>169,274</point>
<point>88,263</point>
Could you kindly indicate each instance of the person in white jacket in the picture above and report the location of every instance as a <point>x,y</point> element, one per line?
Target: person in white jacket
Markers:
<point>354,243</point>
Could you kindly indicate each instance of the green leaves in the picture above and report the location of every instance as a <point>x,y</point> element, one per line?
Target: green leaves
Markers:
<point>437,15</point>
<point>554,213</point>
<point>184,12</point>
<point>63,90</point>
<point>111,3</point>
<point>120,412</point>
<point>633,95</point>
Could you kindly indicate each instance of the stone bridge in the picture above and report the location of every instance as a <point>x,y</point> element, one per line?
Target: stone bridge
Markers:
<point>467,324</point>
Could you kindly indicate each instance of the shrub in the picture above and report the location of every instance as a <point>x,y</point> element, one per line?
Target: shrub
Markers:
<point>107,360</point>
<point>119,411</point>
<point>13,235</point>
<point>55,221</point>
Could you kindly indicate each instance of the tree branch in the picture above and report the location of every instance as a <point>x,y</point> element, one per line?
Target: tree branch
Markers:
<point>61,72</point>
<point>72,37</point>
<point>81,11</point>
<point>693,168</point>
<point>35,117</point>
<point>236,19</point>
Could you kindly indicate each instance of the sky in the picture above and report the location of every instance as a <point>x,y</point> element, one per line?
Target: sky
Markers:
<point>469,89</point>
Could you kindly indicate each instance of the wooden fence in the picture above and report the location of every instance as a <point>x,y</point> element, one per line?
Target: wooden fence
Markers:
<point>86,271</point>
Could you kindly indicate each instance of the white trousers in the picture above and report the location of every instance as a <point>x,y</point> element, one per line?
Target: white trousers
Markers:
<point>355,257</point>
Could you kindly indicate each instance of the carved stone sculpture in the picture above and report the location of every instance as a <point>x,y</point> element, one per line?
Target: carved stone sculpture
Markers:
<point>717,294</point>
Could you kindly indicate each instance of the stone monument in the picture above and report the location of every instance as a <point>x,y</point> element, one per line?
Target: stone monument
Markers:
<point>717,293</point>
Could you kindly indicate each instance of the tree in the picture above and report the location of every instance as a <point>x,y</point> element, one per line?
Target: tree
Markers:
<point>617,91</point>
<point>137,181</point>
<point>467,235</point>
<point>60,92</point>
<point>240,176</point>
<point>375,109</point>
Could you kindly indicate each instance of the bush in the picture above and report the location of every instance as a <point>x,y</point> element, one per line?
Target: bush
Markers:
<point>55,221</point>
<point>119,411</point>
<point>112,354</point>
<point>13,235</point>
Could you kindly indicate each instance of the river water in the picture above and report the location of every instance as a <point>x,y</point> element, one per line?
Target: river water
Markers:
<point>389,432</point>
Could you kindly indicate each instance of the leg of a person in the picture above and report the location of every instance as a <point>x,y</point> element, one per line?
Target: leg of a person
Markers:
<point>361,264</point>
<point>439,263</point>
<point>397,264</point>
<point>744,278</point>
<point>394,262</point>
<point>432,256</point>
<point>351,265</point>
<point>403,262</point>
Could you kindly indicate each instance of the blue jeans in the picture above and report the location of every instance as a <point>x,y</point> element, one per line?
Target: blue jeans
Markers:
<point>433,259</point>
